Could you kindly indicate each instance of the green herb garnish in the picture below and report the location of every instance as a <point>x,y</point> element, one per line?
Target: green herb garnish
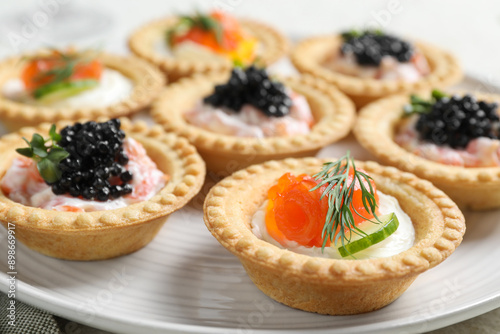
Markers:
<point>204,22</point>
<point>418,105</point>
<point>340,194</point>
<point>66,64</point>
<point>353,33</point>
<point>47,157</point>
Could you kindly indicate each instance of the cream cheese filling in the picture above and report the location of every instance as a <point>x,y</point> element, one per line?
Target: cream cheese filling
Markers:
<point>389,69</point>
<point>113,87</point>
<point>23,186</point>
<point>398,242</point>
<point>251,122</point>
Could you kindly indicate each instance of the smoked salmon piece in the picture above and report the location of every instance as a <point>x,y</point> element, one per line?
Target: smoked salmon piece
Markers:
<point>294,213</point>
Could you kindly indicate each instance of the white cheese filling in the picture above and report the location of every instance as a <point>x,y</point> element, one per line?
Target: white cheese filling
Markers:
<point>113,87</point>
<point>251,122</point>
<point>479,152</point>
<point>389,69</point>
<point>398,242</point>
<point>24,185</point>
<point>189,51</point>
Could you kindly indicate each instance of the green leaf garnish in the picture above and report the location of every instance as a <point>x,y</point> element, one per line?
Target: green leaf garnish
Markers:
<point>353,33</point>
<point>418,105</point>
<point>65,68</point>
<point>339,216</point>
<point>204,22</point>
<point>238,63</point>
<point>26,151</point>
<point>48,170</point>
<point>47,157</point>
<point>53,134</point>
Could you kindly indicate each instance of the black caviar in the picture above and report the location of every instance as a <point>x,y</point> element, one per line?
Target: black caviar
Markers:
<point>251,86</point>
<point>369,47</point>
<point>95,167</point>
<point>455,121</point>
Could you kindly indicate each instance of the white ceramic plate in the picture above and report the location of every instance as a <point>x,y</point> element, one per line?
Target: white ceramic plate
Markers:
<point>184,281</point>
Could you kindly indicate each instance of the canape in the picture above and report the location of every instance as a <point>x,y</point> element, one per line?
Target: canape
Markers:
<point>183,45</point>
<point>244,117</point>
<point>368,65</point>
<point>451,140</point>
<point>319,208</point>
<point>53,85</point>
<point>92,191</point>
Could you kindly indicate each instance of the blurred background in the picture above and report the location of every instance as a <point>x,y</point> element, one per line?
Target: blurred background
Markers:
<point>471,29</point>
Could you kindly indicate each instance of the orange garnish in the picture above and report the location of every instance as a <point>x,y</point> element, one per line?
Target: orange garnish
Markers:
<point>70,208</point>
<point>217,31</point>
<point>296,213</point>
<point>58,66</point>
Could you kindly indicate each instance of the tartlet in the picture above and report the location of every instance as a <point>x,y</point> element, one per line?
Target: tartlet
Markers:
<point>329,286</point>
<point>147,81</point>
<point>470,187</point>
<point>143,43</point>
<point>310,54</point>
<point>333,113</point>
<point>105,234</point>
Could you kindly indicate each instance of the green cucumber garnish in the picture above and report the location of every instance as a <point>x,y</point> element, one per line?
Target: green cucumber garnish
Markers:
<point>60,90</point>
<point>374,233</point>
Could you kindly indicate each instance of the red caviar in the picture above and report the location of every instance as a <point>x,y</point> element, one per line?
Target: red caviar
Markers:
<point>295,213</point>
<point>39,71</point>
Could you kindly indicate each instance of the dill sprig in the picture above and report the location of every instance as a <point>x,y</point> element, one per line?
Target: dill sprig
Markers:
<point>65,66</point>
<point>202,21</point>
<point>340,194</point>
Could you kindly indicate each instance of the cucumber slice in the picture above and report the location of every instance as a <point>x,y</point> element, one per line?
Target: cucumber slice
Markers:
<point>375,233</point>
<point>61,90</point>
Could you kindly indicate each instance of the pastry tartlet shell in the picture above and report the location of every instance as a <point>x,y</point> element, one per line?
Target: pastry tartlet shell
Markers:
<point>143,41</point>
<point>148,82</point>
<point>310,54</point>
<point>105,234</point>
<point>333,112</point>
<point>330,286</point>
<point>472,188</point>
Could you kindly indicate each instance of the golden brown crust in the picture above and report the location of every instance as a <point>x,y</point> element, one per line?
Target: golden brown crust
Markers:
<point>476,188</point>
<point>147,80</point>
<point>324,285</point>
<point>143,43</point>
<point>334,114</point>
<point>309,56</point>
<point>105,234</point>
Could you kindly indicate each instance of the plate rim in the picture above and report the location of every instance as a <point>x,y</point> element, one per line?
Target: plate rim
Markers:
<point>30,295</point>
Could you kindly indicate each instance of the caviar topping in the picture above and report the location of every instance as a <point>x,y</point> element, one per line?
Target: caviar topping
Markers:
<point>61,74</point>
<point>252,86</point>
<point>217,31</point>
<point>323,209</point>
<point>454,120</point>
<point>370,46</point>
<point>94,163</point>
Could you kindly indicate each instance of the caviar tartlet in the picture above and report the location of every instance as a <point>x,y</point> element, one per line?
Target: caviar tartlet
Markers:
<point>295,117</point>
<point>52,85</point>
<point>369,65</point>
<point>98,191</point>
<point>451,140</point>
<point>182,46</point>
<point>329,285</point>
